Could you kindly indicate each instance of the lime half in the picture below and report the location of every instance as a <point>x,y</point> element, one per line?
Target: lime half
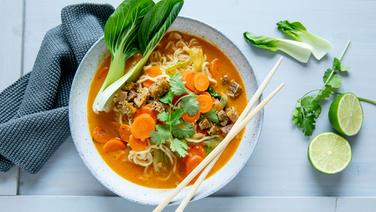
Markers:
<point>346,114</point>
<point>329,153</point>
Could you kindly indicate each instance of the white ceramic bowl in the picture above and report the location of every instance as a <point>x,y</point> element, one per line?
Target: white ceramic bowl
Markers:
<point>81,136</point>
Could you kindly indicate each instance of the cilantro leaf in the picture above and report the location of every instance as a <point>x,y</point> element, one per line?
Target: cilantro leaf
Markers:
<point>212,116</point>
<point>306,112</point>
<point>335,81</point>
<point>327,74</point>
<point>332,79</point>
<point>163,116</point>
<point>338,66</point>
<point>183,130</point>
<point>309,125</point>
<point>325,93</point>
<point>175,117</point>
<point>189,104</point>
<point>167,98</point>
<point>160,135</point>
<point>177,85</point>
<point>179,146</point>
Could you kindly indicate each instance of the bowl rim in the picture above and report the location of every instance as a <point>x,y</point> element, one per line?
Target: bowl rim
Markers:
<point>205,193</point>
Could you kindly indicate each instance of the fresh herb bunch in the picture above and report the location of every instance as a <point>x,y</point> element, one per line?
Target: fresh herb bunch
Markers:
<point>308,107</point>
<point>174,130</point>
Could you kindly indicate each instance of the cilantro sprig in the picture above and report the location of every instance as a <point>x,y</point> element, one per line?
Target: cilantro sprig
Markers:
<point>308,107</point>
<point>174,129</point>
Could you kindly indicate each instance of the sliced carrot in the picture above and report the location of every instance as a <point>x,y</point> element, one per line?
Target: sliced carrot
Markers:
<point>124,132</point>
<point>142,126</point>
<point>201,82</point>
<point>192,162</point>
<point>137,144</point>
<point>153,71</point>
<point>114,144</point>
<point>196,154</point>
<point>191,119</point>
<point>214,68</point>
<point>188,78</point>
<point>205,103</point>
<point>100,135</point>
<point>148,110</point>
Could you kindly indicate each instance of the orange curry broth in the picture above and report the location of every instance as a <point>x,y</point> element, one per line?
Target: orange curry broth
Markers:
<point>107,121</point>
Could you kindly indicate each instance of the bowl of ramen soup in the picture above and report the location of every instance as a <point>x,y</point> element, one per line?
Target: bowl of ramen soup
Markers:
<point>165,121</point>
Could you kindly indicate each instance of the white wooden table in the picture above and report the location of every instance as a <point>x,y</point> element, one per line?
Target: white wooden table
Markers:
<point>278,176</point>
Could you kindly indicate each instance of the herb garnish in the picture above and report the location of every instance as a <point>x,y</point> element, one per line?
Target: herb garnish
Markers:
<point>308,107</point>
<point>174,129</point>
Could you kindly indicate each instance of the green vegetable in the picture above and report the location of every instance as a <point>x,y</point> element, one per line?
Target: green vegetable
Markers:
<point>211,144</point>
<point>160,157</point>
<point>367,100</point>
<point>212,116</point>
<point>298,50</point>
<point>163,116</point>
<point>174,117</point>
<point>308,108</point>
<point>189,104</point>
<point>151,30</point>
<point>167,98</point>
<point>214,93</point>
<point>297,31</point>
<point>174,129</point>
<point>178,65</point>
<point>177,85</point>
<point>183,130</point>
<point>179,146</point>
<point>223,101</point>
<point>160,135</point>
<point>120,33</point>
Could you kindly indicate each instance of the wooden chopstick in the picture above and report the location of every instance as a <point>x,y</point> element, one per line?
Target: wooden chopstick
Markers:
<point>221,146</point>
<point>246,111</point>
<point>216,151</point>
<point>236,131</point>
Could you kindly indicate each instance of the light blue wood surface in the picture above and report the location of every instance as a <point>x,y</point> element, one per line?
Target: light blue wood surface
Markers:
<point>11,23</point>
<point>99,204</point>
<point>279,165</point>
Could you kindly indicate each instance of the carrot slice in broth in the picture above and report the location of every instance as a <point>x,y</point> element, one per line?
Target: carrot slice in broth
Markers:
<point>114,144</point>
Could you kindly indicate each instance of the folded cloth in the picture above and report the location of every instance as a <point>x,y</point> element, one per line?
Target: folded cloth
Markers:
<point>34,110</point>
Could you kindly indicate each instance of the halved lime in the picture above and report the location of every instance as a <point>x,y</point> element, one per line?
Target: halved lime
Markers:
<point>346,114</point>
<point>329,153</point>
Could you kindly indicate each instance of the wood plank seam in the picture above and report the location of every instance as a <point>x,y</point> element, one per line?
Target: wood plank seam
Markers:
<point>21,74</point>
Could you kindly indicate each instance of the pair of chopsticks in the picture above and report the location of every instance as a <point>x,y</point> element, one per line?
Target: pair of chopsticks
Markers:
<point>209,161</point>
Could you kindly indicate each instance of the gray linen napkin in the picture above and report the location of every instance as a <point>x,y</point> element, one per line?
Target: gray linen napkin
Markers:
<point>33,111</point>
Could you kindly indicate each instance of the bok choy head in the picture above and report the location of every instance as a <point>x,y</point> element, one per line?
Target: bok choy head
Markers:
<point>151,30</point>
<point>298,50</point>
<point>297,31</point>
<point>120,35</point>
